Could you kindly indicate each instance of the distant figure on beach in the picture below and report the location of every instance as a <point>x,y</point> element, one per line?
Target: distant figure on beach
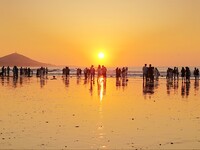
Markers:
<point>54,78</point>
<point>175,73</point>
<point>2,72</point>
<point>8,71</point>
<point>196,73</point>
<point>15,72</point>
<point>78,72</point>
<point>21,71</point>
<point>118,72</point>
<point>46,71</point>
<point>150,73</point>
<point>183,74</point>
<point>187,74</point>
<point>104,71</point>
<point>66,71</point>
<point>99,72</point>
<point>144,70</point>
<point>156,73</point>
<point>85,71</point>
<point>92,73</point>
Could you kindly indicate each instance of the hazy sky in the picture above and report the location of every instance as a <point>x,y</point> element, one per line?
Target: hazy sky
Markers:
<point>129,32</point>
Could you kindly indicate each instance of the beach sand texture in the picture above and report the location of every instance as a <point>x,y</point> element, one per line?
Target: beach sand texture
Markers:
<point>72,114</point>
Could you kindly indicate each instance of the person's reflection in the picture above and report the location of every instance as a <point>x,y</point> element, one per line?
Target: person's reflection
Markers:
<point>91,88</point>
<point>124,81</point>
<point>169,86</point>
<point>148,88</point>
<point>8,80</point>
<point>15,82</point>
<point>118,82</point>
<point>66,80</point>
<point>176,85</point>
<point>78,80</point>
<point>2,81</point>
<point>121,82</point>
<point>21,81</point>
<point>42,82</point>
<point>101,87</point>
<point>196,86</point>
<point>185,89</point>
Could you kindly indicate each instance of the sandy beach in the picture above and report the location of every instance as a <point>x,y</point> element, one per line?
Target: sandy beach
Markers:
<point>74,114</point>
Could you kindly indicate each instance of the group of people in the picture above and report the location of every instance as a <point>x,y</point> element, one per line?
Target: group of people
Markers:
<point>90,72</point>
<point>5,71</point>
<point>66,71</point>
<point>172,74</point>
<point>121,72</point>
<point>42,71</point>
<point>150,73</point>
<point>16,71</point>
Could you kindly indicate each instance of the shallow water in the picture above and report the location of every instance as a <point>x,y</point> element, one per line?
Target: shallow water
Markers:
<point>64,114</point>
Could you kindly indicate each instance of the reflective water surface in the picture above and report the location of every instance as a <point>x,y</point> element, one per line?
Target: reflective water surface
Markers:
<point>46,113</point>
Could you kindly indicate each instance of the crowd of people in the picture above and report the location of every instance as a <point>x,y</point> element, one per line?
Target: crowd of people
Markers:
<point>66,71</point>
<point>5,71</point>
<point>41,72</point>
<point>89,72</point>
<point>173,74</point>
<point>150,73</point>
<point>121,72</point>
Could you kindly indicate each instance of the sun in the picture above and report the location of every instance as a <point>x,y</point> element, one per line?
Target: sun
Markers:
<point>101,55</point>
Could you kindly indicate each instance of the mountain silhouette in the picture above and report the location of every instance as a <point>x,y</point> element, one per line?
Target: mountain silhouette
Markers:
<point>16,59</point>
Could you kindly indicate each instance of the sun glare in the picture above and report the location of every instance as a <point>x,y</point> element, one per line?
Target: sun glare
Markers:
<point>101,55</point>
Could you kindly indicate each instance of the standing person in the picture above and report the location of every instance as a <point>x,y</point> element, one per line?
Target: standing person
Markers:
<point>46,71</point>
<point>117,72</point>
<point>99,71</point>
<point>197,73</point>
<point>92,72</point>
<point>144,70</point>
<point>85,71</point>
<point>187,74</point>
<point>21,71</point>
<point>156,73</point>
<point>151,73</point>
<point>183,74</point>
<point>3,71</point>
<point>104,71</point>
<point>8,71</point>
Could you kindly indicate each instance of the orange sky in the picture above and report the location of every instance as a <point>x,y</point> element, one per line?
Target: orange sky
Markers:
<point>129,32</point>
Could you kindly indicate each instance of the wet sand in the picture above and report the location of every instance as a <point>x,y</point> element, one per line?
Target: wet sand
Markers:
<point>72,114</point>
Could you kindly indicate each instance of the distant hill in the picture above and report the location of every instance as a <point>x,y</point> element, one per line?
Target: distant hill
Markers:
<point>16,59</point>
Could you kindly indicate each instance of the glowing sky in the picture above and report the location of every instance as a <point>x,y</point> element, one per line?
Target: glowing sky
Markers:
<point>129,32</point>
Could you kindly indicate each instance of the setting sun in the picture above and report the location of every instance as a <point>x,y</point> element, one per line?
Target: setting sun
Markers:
<point>101,55</point>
